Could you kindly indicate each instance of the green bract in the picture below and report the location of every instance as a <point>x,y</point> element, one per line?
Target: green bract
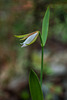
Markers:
<point>45,26</point>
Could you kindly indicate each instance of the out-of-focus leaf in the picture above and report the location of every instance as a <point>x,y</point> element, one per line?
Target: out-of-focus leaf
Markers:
<point>58,89</point>
<point>35,88</point>
<point>49,97</point>
<point>25,95</point>
<point>45,26</point>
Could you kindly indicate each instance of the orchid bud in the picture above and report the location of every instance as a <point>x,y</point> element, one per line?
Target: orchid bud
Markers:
<point>29,38</point>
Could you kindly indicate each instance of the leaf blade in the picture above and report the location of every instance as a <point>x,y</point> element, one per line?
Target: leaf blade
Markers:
<point>45,26</point>
<point>35,88</point>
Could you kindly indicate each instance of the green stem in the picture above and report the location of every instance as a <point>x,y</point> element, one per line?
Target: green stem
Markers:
<point>41,75</point>
<point>41,68</point>
<point>41,39</point>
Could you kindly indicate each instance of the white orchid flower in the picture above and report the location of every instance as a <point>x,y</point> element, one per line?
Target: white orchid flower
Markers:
<point>29,38</point>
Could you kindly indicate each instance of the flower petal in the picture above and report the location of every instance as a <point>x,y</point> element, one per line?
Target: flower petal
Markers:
<point>30,39</point>
<point>28,35</point>
<point>33,40</point>
<point>24,45</point>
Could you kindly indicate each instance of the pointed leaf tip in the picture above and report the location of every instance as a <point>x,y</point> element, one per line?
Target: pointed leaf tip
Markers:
<point>35,88</point>
<point>45,26</point>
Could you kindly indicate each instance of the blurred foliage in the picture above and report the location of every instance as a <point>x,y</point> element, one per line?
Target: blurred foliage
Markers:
<point>60,23</point>
<point>36,58</point>
<point>51,91</point>
<point>25,95</point>
<point>25,16</point>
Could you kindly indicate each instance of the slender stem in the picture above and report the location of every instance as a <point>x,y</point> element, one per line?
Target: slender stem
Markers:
<point>41,39</point>
<point>41,67</point>
<point>41,75</point>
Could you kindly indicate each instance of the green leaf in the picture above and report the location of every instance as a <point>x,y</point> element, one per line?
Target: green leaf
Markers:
<point>35,88</point>
<point>45,26</point>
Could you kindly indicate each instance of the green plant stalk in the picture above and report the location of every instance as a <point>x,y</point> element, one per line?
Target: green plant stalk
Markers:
<point>41,75</point>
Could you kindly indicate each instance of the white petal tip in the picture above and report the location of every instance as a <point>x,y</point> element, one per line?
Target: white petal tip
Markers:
<point>24,45</point>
